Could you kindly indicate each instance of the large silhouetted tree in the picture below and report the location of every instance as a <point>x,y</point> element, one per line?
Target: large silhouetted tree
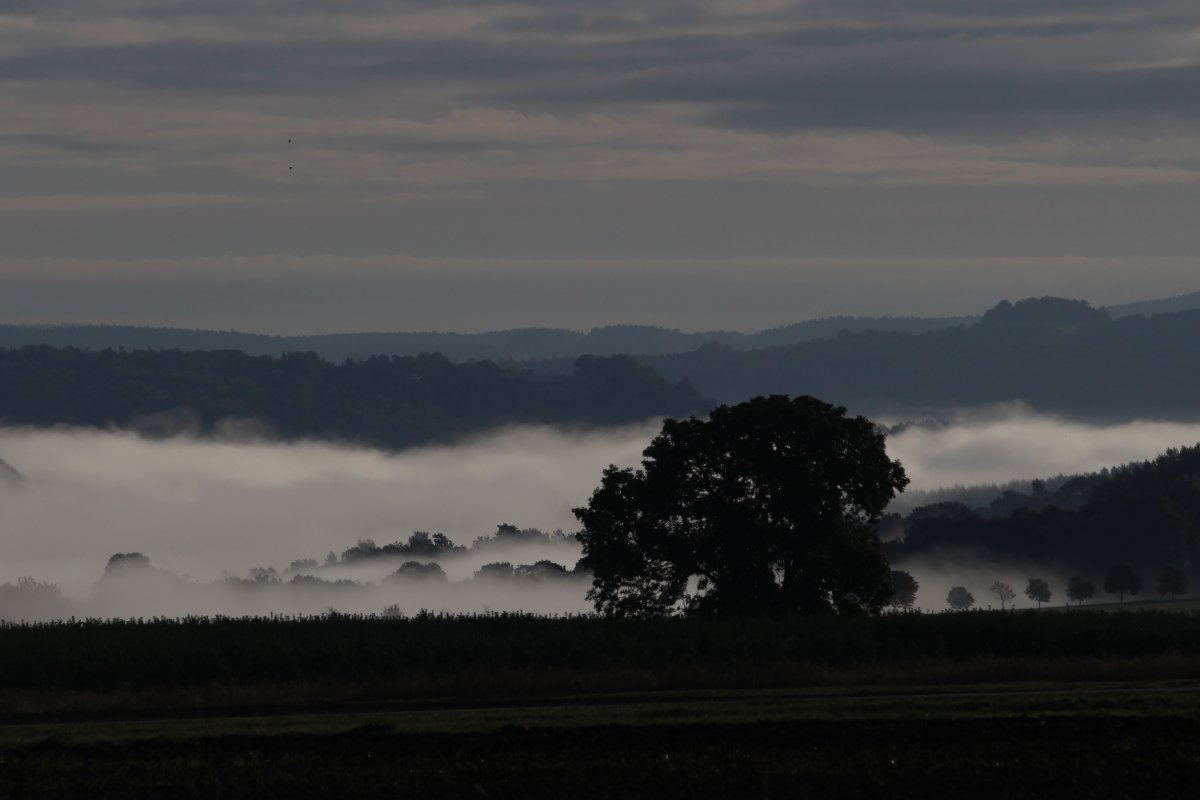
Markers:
<point>764,507</point>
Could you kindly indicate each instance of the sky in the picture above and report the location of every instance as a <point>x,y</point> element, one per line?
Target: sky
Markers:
<point>469,165</point>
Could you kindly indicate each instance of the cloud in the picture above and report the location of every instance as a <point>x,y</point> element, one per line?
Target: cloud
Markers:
<point>744,88</point>
<point>577,132</point>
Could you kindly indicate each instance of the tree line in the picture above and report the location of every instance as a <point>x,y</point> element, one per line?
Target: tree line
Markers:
<point>385,401</point>
<point>1145,516</point>
<point>1119,580</point>
<point>517,344</point>
<point>1056,355</point>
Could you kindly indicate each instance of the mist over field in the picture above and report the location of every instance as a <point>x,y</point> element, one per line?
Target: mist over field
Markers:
<point>1010,442</point>
<point>203,509</point>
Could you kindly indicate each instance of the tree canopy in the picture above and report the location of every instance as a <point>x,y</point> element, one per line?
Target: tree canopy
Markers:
<point>959,599</point>
<point>1080,588</point>
<point>904,589</point>
<point>1121,579</point>
<point>1038,591</point>
<point>1003,592</point>
<point>765,507</point>
<point>1173,581</point>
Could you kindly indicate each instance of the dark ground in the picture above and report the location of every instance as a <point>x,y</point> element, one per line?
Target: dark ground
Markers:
<point>1123,744</point>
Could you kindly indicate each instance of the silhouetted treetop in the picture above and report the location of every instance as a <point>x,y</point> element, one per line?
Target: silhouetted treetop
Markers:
<point>766,506</point>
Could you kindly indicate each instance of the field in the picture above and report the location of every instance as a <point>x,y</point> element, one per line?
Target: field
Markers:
<point>1183,604</point>
<point>595,708</point>
<point>1095,741</point>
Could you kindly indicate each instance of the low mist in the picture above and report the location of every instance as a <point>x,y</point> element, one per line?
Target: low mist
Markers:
<point>204,509</point>
<point>936,580</point>
<point>207,513</point>
<point>1009,443</point>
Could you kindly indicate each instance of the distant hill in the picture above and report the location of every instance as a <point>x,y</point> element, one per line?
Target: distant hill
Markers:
<point>1056,355</point>
<point>1146,515</point>
<point>386,401</point>
<point>519,344</point>
<point>1183,302</point>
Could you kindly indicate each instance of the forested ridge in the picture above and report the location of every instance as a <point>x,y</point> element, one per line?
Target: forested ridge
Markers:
<point>1146,515</point>
<point>516,344</point>
<point>386,401</point>
<point>513,344</point>
<point>1055,355</point>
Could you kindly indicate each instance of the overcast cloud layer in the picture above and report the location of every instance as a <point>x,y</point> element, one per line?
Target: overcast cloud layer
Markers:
<point>480,164</point>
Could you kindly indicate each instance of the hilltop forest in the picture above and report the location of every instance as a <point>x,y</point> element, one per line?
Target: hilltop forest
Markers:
<point>1057,356</point>
<point>387,401</point>
<point>1145,515</point>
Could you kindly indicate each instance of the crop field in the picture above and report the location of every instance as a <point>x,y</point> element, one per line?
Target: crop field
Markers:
<point>988,704</point>
<point>1094,740</point>
<point>1186,605</point>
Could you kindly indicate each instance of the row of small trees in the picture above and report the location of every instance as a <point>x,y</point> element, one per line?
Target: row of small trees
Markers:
<point>960,599</point>
<point>1120,580</point>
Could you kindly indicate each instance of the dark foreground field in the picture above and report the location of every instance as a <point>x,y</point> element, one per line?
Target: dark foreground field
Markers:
<point>975,705</point>
<point>1095,742</point>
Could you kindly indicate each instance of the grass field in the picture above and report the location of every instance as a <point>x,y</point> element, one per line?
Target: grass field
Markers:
<point>986,704</point>
<point>1189,605</point>
<point>1098,740</point>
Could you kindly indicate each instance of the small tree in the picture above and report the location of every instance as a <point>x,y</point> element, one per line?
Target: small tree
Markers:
<point>1172,581</point>
<point>1003,591</point>
<point>1121,580</point>
<point>1080,588</point>
<point>1038,591</point>
<point>419,571</point>
<point>904,589</point>
<point>496,571</point>
<point>126,562</point>
<point>544,570</point>
<point>960,599</point>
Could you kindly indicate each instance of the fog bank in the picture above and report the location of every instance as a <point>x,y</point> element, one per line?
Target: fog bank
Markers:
<point>201,508</point>
<point>1010,442</point>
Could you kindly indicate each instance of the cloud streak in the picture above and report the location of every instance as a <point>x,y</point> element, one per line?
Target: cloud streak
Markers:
<point>525,130</point>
